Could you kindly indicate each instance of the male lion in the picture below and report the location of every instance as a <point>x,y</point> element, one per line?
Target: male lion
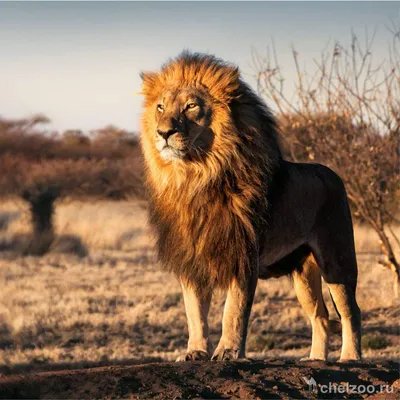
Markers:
<point>227,210</point>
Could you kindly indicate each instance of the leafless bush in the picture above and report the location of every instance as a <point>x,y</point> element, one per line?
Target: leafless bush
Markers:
<point>347,116</point>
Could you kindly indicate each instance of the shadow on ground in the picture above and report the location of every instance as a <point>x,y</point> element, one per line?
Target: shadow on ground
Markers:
<point>26,244</point>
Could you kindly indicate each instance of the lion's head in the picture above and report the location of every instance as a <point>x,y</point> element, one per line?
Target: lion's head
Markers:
<point>187,111</point>
<point>182,123</point>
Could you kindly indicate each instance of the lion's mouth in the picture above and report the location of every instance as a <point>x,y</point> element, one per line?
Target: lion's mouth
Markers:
<point>170,153</point>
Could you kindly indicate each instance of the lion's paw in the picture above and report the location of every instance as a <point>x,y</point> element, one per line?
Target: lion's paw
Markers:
<point>225,354</point>
<point>194,355</point>
<point>311,359</point>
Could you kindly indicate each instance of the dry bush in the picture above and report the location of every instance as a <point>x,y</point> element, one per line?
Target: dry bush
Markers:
<point>347,115</point>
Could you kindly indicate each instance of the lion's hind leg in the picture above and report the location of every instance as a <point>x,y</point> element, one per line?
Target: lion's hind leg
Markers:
<point>308,287</point>
<point>339,269</point>
<point>333,248</point>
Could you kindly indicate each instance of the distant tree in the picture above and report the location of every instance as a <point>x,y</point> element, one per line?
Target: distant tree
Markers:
<point>42,169</point>
<point>22,125</point>
<point>75,137</point>
<point>114,137</point>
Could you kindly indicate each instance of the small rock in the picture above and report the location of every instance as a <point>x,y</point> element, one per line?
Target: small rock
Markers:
<point>396,384</point>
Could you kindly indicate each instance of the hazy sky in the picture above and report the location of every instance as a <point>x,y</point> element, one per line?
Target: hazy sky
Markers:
<point>79,62</point>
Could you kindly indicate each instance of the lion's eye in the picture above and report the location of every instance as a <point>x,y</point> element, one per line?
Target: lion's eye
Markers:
<point>191,106</point>
<point>160,108</point>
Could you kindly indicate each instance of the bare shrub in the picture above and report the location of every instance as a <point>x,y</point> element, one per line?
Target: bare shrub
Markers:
<point>346,115</point>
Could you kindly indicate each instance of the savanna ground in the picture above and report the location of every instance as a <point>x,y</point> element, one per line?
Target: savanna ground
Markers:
<point>99,298</point>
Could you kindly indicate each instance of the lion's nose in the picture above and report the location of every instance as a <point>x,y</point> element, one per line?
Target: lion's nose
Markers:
<point>166,133</point>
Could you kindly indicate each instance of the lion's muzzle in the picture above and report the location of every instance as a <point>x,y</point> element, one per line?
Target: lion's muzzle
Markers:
<point>170,148</point>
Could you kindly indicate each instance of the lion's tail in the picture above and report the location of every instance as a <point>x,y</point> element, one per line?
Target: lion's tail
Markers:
<point>335,326</point>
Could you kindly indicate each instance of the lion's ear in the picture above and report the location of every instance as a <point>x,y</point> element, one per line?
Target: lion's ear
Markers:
<point>149,83</point>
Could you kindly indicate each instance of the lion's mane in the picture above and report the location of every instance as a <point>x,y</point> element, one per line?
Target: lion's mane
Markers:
<point>207,213</point>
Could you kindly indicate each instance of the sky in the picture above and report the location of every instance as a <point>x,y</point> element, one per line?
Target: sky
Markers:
<point>79,62</point>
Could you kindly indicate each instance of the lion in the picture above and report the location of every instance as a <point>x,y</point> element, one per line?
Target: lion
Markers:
<point>227,209</point>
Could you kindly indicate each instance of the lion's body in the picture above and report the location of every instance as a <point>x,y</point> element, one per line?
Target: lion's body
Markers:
<point>227,209</point>
<point>299,200</point>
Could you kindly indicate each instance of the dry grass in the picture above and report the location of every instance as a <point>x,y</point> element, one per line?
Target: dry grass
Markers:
<point>113,304</point>
<point>367,241</point>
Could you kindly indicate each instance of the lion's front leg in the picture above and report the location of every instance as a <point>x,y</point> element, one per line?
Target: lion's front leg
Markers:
<point>239,301</point>
<point>197,305</point>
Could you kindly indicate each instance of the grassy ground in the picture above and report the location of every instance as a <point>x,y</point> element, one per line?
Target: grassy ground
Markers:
<point>99,297</point>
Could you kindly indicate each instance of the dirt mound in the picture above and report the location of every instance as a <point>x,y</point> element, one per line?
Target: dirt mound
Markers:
<point>272,379</point>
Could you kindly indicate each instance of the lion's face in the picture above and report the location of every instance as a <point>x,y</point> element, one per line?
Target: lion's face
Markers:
<point>182,123</point>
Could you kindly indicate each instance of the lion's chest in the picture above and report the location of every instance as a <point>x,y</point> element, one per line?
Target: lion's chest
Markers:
<point>202,234</point>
